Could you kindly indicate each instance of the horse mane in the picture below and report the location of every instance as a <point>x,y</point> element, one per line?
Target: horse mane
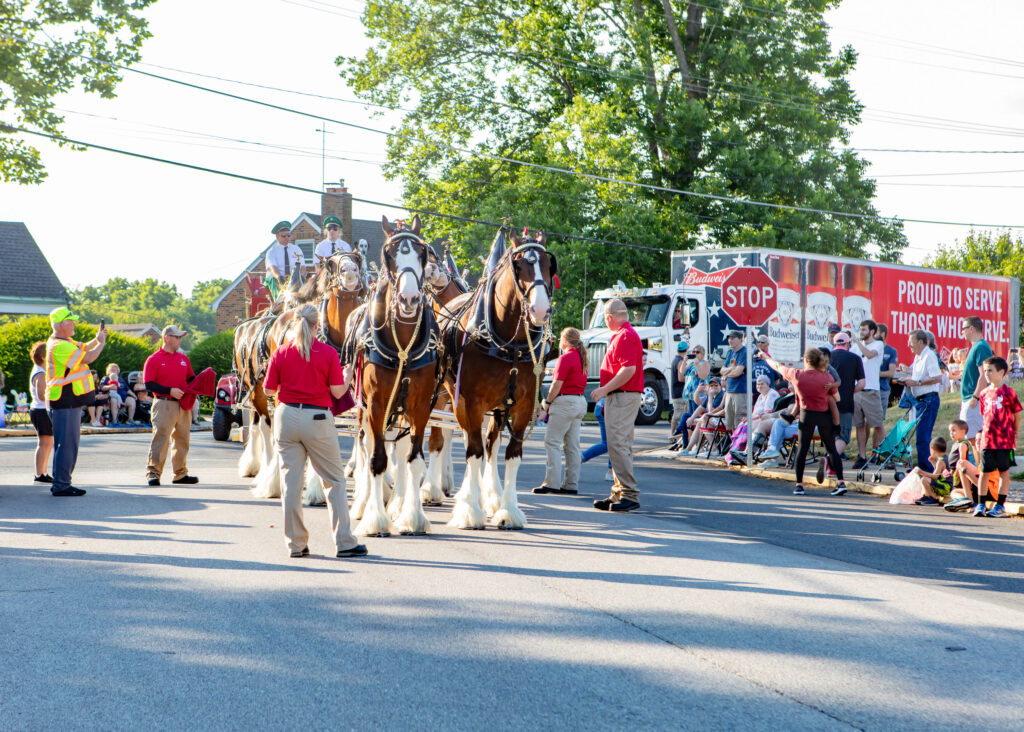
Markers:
<point>314,288</point>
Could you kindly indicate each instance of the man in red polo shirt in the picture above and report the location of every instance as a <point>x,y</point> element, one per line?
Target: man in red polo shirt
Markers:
<point>167,373</point>
<point>622,381</point>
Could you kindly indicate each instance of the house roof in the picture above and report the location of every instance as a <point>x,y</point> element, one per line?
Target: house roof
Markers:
<point>25,272</point>
<point>132,328</point>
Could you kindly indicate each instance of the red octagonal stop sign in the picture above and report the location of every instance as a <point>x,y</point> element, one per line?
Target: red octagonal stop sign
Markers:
<point>749,296</point>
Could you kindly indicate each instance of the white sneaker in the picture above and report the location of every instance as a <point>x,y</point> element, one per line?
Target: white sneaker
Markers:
<point>609,476</point>
<point>769,464</point>
<point>95,424</point>
<point>770,454</point>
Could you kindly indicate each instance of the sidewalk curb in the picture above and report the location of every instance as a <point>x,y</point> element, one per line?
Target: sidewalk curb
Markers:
<point>883,491</point>
<point>90,430</point>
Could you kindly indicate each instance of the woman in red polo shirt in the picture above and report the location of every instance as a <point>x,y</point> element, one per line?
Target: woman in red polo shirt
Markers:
<point>565,407</point>
<point>303,375</point>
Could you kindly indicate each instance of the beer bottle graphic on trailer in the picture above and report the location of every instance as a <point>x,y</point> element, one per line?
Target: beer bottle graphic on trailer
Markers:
<point>822,281</point>
<point>784,326</point>
<point>857,284</point>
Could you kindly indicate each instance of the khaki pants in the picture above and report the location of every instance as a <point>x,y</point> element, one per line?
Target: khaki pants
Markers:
<point>678,410</point>
<point>299,433</point>
<point>563,435</point>
<point>171,424</point>
<point>619,417</point>
<point>735,410</point>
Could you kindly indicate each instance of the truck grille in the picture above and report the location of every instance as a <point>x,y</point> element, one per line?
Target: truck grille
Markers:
<point>595,355</point>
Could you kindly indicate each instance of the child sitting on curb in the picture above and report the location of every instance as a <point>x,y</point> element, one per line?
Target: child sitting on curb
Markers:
<point>965,472</point>
<point>940,482</point>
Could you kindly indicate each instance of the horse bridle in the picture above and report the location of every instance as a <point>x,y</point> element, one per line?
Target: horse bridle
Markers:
<point>530,252</point>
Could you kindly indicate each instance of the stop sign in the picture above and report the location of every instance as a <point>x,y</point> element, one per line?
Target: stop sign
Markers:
<point>749,296</point>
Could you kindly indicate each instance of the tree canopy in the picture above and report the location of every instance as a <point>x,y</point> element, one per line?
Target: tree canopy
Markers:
<point>741,100</point>
<point>42,48</point>
<point>151,301</point>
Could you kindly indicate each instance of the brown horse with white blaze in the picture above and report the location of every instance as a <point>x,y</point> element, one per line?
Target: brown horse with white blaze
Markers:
<point>397,344</point>
<point>496,349</point>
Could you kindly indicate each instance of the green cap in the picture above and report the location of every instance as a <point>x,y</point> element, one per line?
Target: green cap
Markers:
<point>332,220</point>
<point>281,226</point>
<point>59,315</point>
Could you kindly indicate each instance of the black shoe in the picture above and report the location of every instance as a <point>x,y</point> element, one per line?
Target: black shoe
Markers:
<point>359,550</point>
<point>739,457</point>
<point>187,480</point>
<point>303,552</point>
<point>44,478</point>
<point>625,504</point>
<point>820,475</point>
<point>603,504</point>
<point>542,489</point>
<point>862,462</point>
<point>154,481</point>
<point>799,490</point>
<point>840,489</point>
<point>69,491</point>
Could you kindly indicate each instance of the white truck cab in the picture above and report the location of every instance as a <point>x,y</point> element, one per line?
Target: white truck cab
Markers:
<point>662,315</point>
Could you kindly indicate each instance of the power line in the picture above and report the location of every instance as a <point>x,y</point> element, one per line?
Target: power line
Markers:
<point>946,152</point>
<point>252,179</point>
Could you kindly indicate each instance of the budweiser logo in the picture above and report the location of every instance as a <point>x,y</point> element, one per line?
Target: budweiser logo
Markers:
<point>714,279</point>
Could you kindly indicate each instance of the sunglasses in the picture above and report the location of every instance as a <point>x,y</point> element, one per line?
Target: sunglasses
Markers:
<point>285,234</point>
<point>332,227</point>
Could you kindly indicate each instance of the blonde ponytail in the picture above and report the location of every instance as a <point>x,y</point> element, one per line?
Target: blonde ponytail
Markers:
<point>572,337</point>
<point>301,330</point>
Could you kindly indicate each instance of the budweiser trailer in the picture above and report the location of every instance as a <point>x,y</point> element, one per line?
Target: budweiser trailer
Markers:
<point>815,291</point>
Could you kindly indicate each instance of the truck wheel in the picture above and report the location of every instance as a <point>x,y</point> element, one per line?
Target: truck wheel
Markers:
<point>221,424</point>
<point>652,401</point>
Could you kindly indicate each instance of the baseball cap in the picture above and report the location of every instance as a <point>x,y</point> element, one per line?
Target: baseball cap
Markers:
<point>59,315</point>
<point>834,328</point>
<point>841,338</point>
<point>173,330</point>
<point>682,346</point>
<point>714,380</point>
<point>733,334</point>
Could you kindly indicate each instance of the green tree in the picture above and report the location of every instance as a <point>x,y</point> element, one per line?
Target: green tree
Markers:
<point>719,97</point>
<point>42,44</point>
<point>985,252</point>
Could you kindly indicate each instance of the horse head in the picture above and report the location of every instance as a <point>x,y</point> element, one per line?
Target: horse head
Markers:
<point>533,270</point>
<point>344,271</point>
<point>435,275</point>
<point>404,262</point>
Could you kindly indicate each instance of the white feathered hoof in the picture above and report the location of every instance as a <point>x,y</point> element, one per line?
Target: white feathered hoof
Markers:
<point>268,482</point>
<point>350,467</point>
<point>492,504</point>
<point>509,519</point>
<point>415,525</point>
<point>374,523</point>
<point>467,516</point>
<point>431,495</point>
<point>315,495</point>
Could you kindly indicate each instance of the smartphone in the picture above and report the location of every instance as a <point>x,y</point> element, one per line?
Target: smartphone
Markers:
<point>103,324</point>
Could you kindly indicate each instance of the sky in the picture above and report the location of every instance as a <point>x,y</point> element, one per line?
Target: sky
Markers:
<point>932,74</point>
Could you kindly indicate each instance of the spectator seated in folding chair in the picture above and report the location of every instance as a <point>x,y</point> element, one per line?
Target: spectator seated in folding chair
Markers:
<point>117,398</point>
<point>144,400</point>
<point>713,407</point>
<point>767,399</point>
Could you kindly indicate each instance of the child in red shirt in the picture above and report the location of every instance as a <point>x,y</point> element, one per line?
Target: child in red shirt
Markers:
<point>1000,412</point>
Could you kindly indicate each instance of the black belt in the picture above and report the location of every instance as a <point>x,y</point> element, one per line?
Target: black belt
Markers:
<point>165,397</point>
<point>303,406</point>
<point>622,391</point>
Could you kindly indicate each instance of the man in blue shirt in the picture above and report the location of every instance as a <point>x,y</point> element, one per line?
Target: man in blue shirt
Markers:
<point>973,381</point>
<point>735,373</point>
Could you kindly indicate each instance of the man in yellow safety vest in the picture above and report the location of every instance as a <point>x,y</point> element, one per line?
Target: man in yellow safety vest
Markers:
<point>69,387</point>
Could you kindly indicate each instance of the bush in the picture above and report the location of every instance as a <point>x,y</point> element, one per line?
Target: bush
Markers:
<point>216,352</point>
<point>17,338</point>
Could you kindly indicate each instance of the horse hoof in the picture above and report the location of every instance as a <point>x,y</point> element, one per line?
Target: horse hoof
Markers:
<point>413,533</point>
<point>381,534</point>
<point>509,527</point>
<point>317,505</point>
<point>433,503</point>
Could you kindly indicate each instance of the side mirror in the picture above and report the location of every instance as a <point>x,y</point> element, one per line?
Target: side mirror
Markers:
<point>686,312</point>
<point>586,317</point>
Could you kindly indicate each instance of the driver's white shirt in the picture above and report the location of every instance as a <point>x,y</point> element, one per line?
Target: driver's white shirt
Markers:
<point>276,254</point>
<point>323,249</point>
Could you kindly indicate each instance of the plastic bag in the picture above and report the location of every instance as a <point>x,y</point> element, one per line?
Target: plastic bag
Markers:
<point>908,490</point>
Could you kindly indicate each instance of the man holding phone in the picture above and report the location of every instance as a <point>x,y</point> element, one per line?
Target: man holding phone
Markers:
<point>69,387</point>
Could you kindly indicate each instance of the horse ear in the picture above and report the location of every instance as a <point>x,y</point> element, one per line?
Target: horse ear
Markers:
<point>387,226</point>
<point>542,238</point>
<point>514,239</point>
<point>416,224</point>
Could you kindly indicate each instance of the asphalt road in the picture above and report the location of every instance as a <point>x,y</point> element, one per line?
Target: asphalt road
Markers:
<point>725,602</point>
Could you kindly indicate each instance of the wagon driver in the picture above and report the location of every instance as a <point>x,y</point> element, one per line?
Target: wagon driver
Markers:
<point>282,258</point>
<point>333,243</point>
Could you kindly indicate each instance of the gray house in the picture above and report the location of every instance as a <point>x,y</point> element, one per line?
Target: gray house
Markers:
<point>28,283</point>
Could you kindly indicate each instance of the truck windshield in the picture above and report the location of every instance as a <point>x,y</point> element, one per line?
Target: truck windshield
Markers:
<point>643,311</point>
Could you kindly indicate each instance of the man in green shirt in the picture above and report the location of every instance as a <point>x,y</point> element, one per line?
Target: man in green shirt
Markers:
<point>973,381</point>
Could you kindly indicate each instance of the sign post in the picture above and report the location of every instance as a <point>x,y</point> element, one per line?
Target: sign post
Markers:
<point>749,297</point>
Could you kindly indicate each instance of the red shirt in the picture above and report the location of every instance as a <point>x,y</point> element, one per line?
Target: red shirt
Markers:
<point>172,370</point>
<point>624,349</point>
<point>997,409</point>
<point>809,385</point>
<point>569,370</point>
<point>298,381</point>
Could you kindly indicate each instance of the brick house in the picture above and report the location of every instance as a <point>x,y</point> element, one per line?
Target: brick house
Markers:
<point>307,232</point>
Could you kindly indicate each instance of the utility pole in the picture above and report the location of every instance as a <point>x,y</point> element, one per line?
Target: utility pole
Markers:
<point>323,152</point>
